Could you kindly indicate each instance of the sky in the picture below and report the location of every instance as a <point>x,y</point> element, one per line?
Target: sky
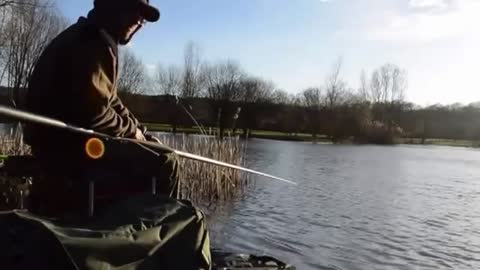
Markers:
<point>295,43</point>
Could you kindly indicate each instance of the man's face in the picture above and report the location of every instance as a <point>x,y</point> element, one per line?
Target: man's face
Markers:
<point>130,22</point>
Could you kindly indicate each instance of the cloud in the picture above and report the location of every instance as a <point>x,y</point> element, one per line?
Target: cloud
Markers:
<point>458,19</point>
<point>429,4</point>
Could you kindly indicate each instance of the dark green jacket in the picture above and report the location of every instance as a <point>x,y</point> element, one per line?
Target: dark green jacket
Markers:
<point>75,81</point>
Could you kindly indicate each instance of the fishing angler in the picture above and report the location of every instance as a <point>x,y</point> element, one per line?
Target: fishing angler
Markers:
<point>75,81</point>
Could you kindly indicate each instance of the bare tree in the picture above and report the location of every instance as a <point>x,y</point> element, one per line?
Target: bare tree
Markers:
<point>297,99</point>
<point>250,88</point>
<point>334,86</point>
<point>386,81</point>
<point>5,13</point>
<point>132,75</point>
<point>363,91</point>
<point>352,97</point>
<point>223,81</point>
<point>11,3</point>
<point>31,26</point>
<point>4,17</point>
<point>312,98</point>
<point>223,86</point>
<point>376,87</point>
<point>387,87</point>
<point>255,90</point>
<point>388,84</point>
<point>192,80</point>
<point>252,92</point>
<point>399,85</point>
<point>280,96</point>
<point>168,81</point>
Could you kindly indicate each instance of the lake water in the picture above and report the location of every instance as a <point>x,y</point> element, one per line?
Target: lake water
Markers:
<point>359,207</point>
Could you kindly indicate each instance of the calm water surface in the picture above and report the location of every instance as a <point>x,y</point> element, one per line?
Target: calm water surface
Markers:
<point>359,207</point>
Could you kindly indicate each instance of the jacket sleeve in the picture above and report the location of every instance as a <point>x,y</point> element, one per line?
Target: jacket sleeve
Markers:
<point>118,106</point>
<point>92,87</point>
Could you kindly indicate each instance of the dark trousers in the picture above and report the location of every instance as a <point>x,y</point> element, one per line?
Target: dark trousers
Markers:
<point>124,170</point>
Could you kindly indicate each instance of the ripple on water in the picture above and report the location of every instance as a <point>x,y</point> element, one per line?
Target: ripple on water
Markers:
<point>362,208</point>
<point>436,223</point>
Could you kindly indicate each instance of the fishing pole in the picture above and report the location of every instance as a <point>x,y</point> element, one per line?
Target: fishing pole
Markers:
<point>47,121</point>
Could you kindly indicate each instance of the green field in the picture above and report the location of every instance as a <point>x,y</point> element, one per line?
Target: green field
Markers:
<point>275,135</point>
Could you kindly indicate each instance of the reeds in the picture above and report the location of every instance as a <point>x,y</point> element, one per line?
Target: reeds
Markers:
<point>12,143</point>
<point>205,183</point>
<point>13,189</point>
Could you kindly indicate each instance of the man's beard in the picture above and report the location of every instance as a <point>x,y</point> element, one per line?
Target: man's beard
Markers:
<point>125,41</point>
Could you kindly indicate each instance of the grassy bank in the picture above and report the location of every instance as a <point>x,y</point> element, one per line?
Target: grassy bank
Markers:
<point>262,134</point>
<point>440,142</point>
<point>305,137</point>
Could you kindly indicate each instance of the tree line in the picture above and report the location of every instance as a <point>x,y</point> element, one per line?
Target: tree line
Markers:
<point>333,108</point>
<point>375,111</point>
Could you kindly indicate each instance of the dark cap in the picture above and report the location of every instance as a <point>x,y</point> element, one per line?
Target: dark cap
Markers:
<point>149,12</point>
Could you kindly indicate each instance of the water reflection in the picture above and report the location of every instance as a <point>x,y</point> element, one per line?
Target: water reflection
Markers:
<point>360,207</point>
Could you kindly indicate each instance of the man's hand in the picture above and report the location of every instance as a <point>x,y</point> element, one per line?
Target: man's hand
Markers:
<point>139,135</point>
<point>151,138</point>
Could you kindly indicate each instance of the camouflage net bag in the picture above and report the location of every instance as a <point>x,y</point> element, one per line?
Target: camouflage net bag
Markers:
<point>145,232</point>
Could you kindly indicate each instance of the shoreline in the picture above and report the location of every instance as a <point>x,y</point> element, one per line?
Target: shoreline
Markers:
<point>303,137</point>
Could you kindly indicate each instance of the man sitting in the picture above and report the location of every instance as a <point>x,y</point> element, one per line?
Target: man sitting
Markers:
<point>75,81</point>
